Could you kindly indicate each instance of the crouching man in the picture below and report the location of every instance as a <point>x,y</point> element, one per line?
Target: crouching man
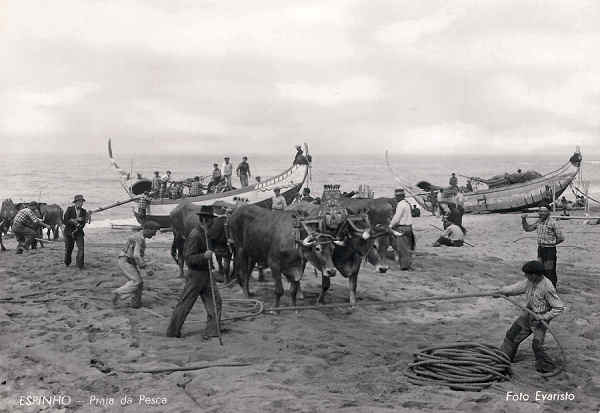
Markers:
<point>133,265</point>
<point>198,257</point>
<point>541,300</point>
<point>453,235</point>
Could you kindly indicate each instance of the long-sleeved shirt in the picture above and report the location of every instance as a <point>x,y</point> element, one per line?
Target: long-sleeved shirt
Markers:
<point>196,189</point>
<point>279,203</point>
<point>541,297</point>
<point>194,249</point>
<point>454,233</point>
<point>243,168</point>
<point>135,248</point>
<point>548,232</point>
<point>27,218</point>
<point>403,215</point>
<point>227,169</point>
<point>156,181</point>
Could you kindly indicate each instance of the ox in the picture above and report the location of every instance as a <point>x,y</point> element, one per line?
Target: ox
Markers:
<point>184,219</point>
<point>279,240</point>
<point>53,216</point>
<point>8,210</point>
<point>354,240</point>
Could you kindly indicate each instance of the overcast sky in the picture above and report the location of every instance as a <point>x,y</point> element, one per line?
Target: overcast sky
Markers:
<point>258,76</point>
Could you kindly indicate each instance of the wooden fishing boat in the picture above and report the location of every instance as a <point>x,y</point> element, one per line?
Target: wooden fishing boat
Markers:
<point>509,198</point>
<point>289,181</point>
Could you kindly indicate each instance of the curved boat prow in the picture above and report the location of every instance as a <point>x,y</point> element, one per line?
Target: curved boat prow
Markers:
<point>124,176</point>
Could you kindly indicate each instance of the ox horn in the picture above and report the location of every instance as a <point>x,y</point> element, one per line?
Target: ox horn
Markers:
<point>341,243</point>
<point>366,234</point>
<point>308,241</point>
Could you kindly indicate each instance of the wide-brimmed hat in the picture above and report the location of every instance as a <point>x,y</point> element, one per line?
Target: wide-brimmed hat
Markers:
<point>398,191</point>
<point>276,189</point>
<point>226,157</point>
<point>78,197</point>
<point>298,147</point>
<point>206,211</point>
<point>32,203</point>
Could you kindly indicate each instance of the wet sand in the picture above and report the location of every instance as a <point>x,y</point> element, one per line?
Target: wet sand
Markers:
<point>60,319</point>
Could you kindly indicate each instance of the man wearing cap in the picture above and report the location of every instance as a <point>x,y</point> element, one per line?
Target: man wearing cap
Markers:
<point>544,302</point>
<point>402,222</point>
<point>133,265</point>
<point>549,235</point>
<point>164,183</point>
<point>453,181</point>
<point>198,257</point>
<point>243,171</point>
<point>25,227</point>
<point>299,158</point>
<point>75,219</point>
<point>227,171</point>
<point>278,202</point>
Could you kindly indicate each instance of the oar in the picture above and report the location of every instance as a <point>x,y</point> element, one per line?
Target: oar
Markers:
<point>439,229</point>
<point>115,204</point>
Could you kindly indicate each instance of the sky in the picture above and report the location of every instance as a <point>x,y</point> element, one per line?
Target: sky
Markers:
<point>347,76</point>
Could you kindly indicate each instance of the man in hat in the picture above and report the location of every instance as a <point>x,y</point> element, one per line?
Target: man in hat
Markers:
<point>198,257</point>
<point>243,171</point>
<point>26,227</point>
<point>299,158</point>
<point>133,265</point>
<point>544,302</point>
<point>227,171</point>
<point>164,185</point>
<point>75,219</point>
<point>549,235</point>
<point>216,176</point>
<point>306,197</point>
<point>453,181</point>
<point>278,202</point>
<point>452,236</point>
<point>402,222</point>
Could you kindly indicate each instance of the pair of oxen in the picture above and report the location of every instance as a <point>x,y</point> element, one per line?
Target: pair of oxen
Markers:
<point>285,241</point>
<point>51,214</point>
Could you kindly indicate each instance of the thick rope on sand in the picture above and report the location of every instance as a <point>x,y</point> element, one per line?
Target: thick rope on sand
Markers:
<point>460,366</point>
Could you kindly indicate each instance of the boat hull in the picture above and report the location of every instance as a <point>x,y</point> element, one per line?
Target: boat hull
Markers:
<point>259,194</point>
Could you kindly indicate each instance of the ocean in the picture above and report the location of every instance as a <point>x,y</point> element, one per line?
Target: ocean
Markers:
<point>56,178</point>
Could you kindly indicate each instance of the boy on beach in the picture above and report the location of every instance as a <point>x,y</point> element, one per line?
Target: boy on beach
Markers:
<point>132,263</point>
<point>541,300</point>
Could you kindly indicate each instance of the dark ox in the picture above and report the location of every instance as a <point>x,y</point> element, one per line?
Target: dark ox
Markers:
<point>184,219</point>
<point>354,240</point>
<point>53,216</point>
<point>280,241</point>
<point>8,210</point>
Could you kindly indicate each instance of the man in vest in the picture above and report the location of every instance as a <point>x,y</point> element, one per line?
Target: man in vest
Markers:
<point>133,265</point>
<point>243,171</point>
<point>75,219</point>
<point>402,222</point>
<point>198,257</point>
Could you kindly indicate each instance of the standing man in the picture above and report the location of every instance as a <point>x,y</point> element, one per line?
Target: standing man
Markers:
<point>549,235</point>
<point>198,257</point>
<point>144,205</point>
<point>75,219</point>
<point>133,265</point>
<point>156,183</point>
<point>25,227</point>
<point>541,300</point>
<point>227,171</point>
<point>278,202</point>
<point>216,176</point>
<point>164,182</point>
<point>402,222</point>
<point>243,171</point>
<point>196,188</point>
<point>299,158</point>
<point>453,181</point>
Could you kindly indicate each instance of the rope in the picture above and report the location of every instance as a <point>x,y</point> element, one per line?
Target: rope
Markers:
<point>585,195</point>
<point>460,366</point>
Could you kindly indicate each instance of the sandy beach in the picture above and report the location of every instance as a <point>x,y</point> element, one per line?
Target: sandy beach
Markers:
<point>62,336</point>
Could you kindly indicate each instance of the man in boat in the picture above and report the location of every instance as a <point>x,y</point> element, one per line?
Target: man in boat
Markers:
<point>156,182</point>
<point>133,265</point>
<point>564,204</point>
<point>164,182</point>
<point>542,300</point>
<point>305,197</point>
<point>144,205</point>
<point>198,257</point>
<point>415,211</point>
<point>196,187</point>
<point>26,227</point>
<point>227,172</point>
<point>278,202</point>
<point>453,181</point>
<point>216,177</point>
<point>402,222</point>
<point>75,219</point>
<point>469,186</point>
<point>300,159</point>
<point>452,236</point>
<point>243,171</point>
<point>549,235</point>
